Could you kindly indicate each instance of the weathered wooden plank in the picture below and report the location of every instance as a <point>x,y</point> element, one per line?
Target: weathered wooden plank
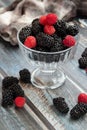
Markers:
<point>41,99</point>
<point>19,119</point>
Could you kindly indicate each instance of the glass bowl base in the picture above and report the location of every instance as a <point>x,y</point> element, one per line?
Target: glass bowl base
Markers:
<point>47,79</point>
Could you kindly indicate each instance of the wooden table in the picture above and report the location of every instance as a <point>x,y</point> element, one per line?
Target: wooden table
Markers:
<point>39,112</point>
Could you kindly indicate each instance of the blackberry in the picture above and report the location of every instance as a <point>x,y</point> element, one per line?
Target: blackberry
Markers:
<point>60,27</point>
<point>38,48</point>
<point>36,27</point>
<point>8,81</point>
<point>57,38</point>
<point>25,76</point>
<point>57,47</point>
<point>7,98</point>
<point>72,30</point>
<point>61,105</point>
<point>84,54</point>
<point>44,40</point>
<point>24,33</point>
<point>17,90</point>
<point>83,62</point>
<point>78,110</point>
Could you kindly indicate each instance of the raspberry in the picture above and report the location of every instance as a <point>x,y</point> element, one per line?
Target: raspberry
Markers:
<point>69,41</point>
<point>82,98</point>
<point>8,81</point>
<point>72,30</point>
<point>42,20</point>
<point>84,54</point>
<point>82,62</point>
<point>45,40</point>
<point>24,33</point>
<point>30,42</point>
<point>51,18</point>
<point>17,90</point>
<point>25,76</point>
<point>78,110</point>
<point>61,105</point>
<point>49,29</point>
<point>19,101</point>
<point>36,27</point>
<point>60,27</point>
<point>7,98</point>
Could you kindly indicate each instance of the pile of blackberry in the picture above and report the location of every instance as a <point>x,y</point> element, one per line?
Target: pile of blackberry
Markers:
<point>11,89</point>
<point>83,60</point>
<point>45,42</point>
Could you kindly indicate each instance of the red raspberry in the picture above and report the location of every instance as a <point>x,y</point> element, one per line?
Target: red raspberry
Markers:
<point>42,20</point>
<point>30,42</point>
<point>49,29</point>
<point>51,18</point>
<point>19,101</point>
<point>86,70</point>
<point>82,98</point>
<point>69,41</point>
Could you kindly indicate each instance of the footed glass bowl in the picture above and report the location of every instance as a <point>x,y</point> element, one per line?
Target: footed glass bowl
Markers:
<point>47,72</point>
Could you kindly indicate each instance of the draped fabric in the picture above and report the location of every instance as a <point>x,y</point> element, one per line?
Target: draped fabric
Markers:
<point>15,14</point>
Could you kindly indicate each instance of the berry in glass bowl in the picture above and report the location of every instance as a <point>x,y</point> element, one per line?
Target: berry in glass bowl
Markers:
<point>46,43</point>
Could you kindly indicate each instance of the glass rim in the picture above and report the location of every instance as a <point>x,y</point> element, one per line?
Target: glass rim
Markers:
<point>35,51</point>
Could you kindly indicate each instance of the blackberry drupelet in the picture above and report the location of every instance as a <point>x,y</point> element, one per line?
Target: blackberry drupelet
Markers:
<point>72,30</point>
<point>78,111</point>
<point>83,62</point>
<point>17,91</point>
<point>61,105</point>
<point>8,81</point>
<point>25,76</point>
<point>44,40</point>
<point>24,33</point>
<point>7,98</point>
<point>36,27</point>
<point>84,54</point>
<point>60,27</point>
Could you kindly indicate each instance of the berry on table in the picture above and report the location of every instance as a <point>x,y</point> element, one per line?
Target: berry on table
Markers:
<point>61,105</point>
<point>30,42</point>
<point>69,41</point>
<point>84,54</point>
<point>78,111</point>
<point>83,62</point>
<point>25,76</point>
<point>82,98</point>
<point>17,90</point>
<point>8,81</point>
<point>7,98</point>
<point>19,101</point>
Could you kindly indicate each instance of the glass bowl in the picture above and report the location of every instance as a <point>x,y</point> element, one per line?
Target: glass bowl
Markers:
<point>47,71</point>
